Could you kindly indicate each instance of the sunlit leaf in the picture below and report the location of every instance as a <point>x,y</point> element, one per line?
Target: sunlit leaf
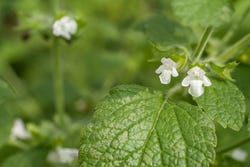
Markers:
<point>134,126</point>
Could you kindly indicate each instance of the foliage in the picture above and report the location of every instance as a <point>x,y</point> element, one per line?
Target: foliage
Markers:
<point>137,127</point>
<point>113,56</point>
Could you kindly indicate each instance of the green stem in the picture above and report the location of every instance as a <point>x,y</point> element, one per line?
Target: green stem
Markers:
<point>230,53</point>
<point>235,26</point>
<point>58,82</point>
<point>223,150</point>
<point>173,90</point>
<point>202,44</point>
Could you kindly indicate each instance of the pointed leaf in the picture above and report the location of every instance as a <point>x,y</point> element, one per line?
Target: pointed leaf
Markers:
<point>224,103</point>
<point>134,126</point>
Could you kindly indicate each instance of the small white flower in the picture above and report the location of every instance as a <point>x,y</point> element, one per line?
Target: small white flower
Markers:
<point>63,155</point>
<point>196,78</point>
<point>65,27</point>
<point>19,131</point>
<point>167,69</point>
<point>239,154</point>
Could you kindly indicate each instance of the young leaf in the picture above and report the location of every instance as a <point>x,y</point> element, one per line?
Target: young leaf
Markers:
<point>224,71</point>
<point>162,31</point>
<point>134,126</point>
<point>204,12</point>
<point>224,103</point>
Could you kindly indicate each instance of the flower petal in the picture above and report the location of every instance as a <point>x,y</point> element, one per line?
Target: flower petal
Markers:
<point>65,27</point>
<point>174,72</point>
<point>186,81</point>
<point>196,88</point>
<point>165,77</point>
<point>206,81</point>
<point>196,71</point>
<point>164,60</point>
<point>159,69</point>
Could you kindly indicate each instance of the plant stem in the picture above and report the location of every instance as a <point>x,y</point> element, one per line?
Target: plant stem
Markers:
<point>235,26</point>
<point>58,82</point>
<point>230,53</point>
<point>173,90</point>
<point>202,43</point>
<point>223,150</point>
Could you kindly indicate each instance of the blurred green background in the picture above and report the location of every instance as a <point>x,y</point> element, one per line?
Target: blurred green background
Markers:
<point>109,51</point>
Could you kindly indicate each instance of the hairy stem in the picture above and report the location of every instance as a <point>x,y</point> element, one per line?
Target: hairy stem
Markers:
<point>202,43</point>
<point>58,82</point>
<point>223,150</point>
<point>230,53</point>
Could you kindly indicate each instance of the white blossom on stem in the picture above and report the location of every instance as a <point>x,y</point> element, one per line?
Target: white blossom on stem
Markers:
<point>239,154</point>
<point>167,69</point>
<point>65,27</point>
<point>196,79</point>
<point>63,155</point>
<point>19,131</point>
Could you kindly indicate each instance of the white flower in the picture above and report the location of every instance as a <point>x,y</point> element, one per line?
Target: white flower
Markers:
<point>239,154</point>
<point>63,155</point>
<point>167,69</point>
<point>19,131</point>
<point>65,27</point>
<point>196,78</point>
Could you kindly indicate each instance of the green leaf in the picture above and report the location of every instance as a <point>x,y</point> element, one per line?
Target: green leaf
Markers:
<point>6,116</point>
<point>134,126</point>
<point>29,158</point>
<point>224,103</point>
<point>162,31</point>
<point>204,12</point>
<point>224,71</point>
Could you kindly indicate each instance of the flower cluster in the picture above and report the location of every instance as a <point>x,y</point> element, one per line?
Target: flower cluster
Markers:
<point>65,27</point>
<point>195,78</point>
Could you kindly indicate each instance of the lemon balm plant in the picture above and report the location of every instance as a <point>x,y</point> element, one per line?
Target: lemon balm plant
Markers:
<point>187,107</point>
<point>140,126</point>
